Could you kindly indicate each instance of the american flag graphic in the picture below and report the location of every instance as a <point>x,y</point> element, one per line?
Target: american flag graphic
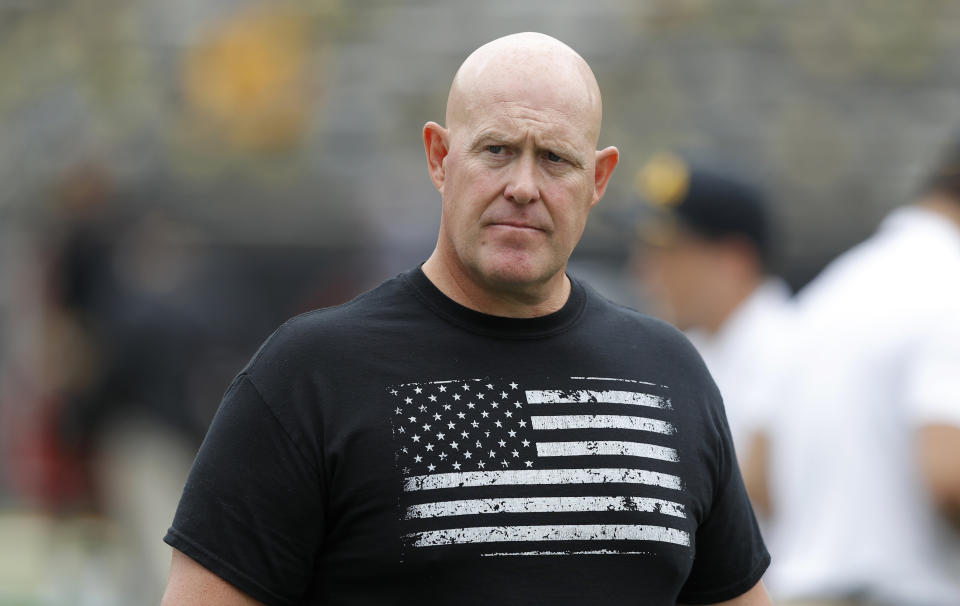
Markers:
<point>511,469</point>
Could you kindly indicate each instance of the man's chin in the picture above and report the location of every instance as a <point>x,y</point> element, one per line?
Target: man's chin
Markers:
<point>515,272</point>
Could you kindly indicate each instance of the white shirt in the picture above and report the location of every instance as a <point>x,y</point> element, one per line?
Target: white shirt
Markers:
<point>745,358</point>
<point>877,355</point>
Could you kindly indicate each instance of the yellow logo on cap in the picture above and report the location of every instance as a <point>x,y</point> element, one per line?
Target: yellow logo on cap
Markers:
<point>664,180</point>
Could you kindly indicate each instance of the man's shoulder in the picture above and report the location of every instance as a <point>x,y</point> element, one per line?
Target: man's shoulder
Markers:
<point>376,302</point>
<point>604,316</point>
<point>320,331</point>
<point>652,350</point>
<point>600,308</point>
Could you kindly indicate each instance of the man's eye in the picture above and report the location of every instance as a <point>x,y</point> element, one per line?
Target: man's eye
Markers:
<point>495,149</point>
<point>554,157</point>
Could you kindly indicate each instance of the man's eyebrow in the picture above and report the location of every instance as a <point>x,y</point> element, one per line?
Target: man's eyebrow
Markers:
<point>492,135</point>
<point>562,149</point>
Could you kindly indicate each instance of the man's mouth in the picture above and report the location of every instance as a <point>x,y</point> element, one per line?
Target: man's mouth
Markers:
<point>516,225</point>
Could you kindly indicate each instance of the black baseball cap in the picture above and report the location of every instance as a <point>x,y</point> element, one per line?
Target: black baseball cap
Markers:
<point>704,202</point>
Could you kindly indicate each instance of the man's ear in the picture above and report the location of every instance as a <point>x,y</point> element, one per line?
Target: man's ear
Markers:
<point>607,160</point>
<point>435,142</point>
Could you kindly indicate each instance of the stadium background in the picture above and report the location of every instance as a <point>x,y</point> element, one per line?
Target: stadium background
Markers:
<point>219,165</point>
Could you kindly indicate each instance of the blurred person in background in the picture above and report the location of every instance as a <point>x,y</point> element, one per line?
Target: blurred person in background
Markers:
<point>702,264</point>
<point>120,276</point>
<point>105,434</point>
<point>863,469</point>
<point>408,395</point>
<point>65,304</point>
<point>137,420</point>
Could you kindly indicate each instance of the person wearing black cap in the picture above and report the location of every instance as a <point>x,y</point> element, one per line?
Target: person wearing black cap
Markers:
<point>864,459</point>
<point>702,265</point>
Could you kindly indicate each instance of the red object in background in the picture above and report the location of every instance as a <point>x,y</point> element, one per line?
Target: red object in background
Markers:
<point>41,467</point>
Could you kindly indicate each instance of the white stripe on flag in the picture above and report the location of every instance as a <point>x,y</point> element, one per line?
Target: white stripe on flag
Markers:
<point>583,396</point>
<point>571,552</point>
<point>601,422</point>
<point>609,475</point>
<point>616,379</point>
<point>542,505</point>
<point>571,532</point>
<point>606,447</point>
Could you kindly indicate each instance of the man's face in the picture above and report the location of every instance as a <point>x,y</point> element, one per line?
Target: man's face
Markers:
<point>519,182</point>
<point>677,279</point>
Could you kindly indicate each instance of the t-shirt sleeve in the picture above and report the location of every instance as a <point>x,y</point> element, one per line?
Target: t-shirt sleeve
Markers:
<point>252,509</point>
<point>730,556</point>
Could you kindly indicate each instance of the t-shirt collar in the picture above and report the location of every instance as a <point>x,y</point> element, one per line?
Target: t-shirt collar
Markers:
<point>497,326</point>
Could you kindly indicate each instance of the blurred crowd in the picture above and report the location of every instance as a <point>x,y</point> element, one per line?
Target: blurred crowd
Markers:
<point>240,165</point>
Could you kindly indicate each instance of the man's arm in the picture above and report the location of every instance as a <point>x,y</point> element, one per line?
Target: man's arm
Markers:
<point>755,597</point>
<point>755,471</point>
<point>190,584</point>
<point>939,446</point>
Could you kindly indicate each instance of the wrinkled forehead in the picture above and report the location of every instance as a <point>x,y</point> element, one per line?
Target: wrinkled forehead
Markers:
<point>558,88</point>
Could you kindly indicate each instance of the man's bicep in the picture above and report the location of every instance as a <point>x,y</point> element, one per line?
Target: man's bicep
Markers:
<point>191,584</point>
<point>757,596</point>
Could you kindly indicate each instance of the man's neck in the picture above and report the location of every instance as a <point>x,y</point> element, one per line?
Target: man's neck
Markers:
<point>730,302</point>
<point>942,205</point>
<point>522,302</point>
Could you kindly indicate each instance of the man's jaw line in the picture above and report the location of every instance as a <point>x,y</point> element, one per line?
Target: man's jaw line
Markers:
<point>507,299</point>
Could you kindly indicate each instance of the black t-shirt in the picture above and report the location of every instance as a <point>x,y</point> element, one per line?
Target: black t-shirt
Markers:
<point>404,449</point>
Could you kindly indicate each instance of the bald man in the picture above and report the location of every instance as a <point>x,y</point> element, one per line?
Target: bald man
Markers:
<point>482,429</point>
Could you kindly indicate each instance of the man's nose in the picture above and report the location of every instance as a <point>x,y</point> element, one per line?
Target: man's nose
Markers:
<point>523,186</point>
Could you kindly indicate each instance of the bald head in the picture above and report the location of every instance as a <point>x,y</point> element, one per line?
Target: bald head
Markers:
<point>528,68</point>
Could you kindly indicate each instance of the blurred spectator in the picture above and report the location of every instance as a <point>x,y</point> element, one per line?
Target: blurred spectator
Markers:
<point>61,308</point>
<point>702,265</point>
<point>118,420</point>
<point>865,445</point>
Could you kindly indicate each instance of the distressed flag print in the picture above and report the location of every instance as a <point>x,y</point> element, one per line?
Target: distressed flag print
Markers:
<point>589,466</point>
